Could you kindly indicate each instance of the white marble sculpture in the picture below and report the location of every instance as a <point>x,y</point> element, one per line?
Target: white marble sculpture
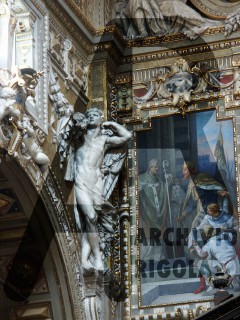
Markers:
<point>29,138</point>
<point>232,22</point>
<point>160,17</point>
<point>7,101</point>
<point>94,164</point>
<point>17,134</point>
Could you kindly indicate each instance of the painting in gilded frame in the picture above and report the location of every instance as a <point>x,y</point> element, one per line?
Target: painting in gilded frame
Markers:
<point>187,208</point>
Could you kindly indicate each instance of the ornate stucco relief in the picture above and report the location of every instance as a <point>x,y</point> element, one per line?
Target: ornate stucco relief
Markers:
<point>69,59</point>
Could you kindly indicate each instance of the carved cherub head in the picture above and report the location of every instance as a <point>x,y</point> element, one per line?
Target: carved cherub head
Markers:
<point>26,122</point>
<point>69,110</point>
<point>80,120</point>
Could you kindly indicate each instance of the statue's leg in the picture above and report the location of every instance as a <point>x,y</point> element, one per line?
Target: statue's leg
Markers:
<point>139,20</point>
<point>86,250</point>
<point>93,237</point>
<point>91,233</point>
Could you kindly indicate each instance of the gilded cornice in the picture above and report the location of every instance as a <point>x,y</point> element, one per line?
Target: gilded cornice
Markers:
<point>171,53</point>
<point>169,38</point>
<point>151,41</point>
<point>114,31</point>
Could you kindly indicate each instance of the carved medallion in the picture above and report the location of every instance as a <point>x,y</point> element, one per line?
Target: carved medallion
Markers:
<point>216,9</point>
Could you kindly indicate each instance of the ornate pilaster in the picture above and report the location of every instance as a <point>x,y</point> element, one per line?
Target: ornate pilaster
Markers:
<point>7,27</point>
<point>24,35</point>
<point>93,287</point>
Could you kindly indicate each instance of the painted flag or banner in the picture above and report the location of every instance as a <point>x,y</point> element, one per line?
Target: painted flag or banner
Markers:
<point>220,155</point>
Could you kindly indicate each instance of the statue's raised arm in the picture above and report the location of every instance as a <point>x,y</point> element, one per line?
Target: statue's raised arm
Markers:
<point>120,137</point>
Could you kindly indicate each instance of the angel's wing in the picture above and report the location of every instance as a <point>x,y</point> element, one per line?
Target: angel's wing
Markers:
<point>64,138</point>
<point>113,162</point>
<point>70,129</point>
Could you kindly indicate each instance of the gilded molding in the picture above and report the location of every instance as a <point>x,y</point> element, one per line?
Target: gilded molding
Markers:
<point>183,52</point>
<point>151,41</point>
<point>112,29</point>
<point>123,78</point>
<point>199,307</point>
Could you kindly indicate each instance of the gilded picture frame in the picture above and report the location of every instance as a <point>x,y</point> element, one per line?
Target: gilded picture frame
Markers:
<point>207,133</point>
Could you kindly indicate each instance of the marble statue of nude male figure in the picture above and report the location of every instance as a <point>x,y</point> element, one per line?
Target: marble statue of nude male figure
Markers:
<point>89,157</point>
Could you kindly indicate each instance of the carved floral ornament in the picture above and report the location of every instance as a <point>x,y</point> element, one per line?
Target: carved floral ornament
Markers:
<point>179,85</point>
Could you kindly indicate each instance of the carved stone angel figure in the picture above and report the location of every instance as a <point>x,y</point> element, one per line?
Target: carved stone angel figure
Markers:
<point>94,162</point>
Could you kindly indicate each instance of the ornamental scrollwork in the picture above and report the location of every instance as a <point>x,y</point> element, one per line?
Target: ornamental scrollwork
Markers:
<point>180,84</point>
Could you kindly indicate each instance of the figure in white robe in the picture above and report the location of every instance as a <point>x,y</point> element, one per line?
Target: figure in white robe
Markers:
<point>220,247</point>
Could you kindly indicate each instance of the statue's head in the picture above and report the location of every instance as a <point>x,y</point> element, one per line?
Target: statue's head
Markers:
<point>94,116</point>
<point>26,121</point>
<point>94,110</point>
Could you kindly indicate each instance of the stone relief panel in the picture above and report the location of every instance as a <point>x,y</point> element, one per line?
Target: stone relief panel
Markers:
<point>69,60</point>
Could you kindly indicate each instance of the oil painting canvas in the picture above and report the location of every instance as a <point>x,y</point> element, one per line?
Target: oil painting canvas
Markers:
<point>187,208</point>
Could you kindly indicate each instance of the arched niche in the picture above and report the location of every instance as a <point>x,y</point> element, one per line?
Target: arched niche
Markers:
<point>36,234</point>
